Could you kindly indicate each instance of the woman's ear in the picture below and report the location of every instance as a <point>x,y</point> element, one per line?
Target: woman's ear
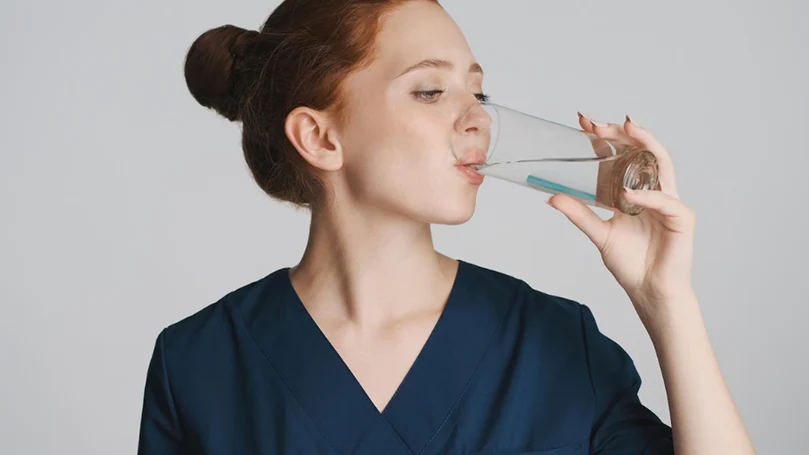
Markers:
<point>311,133</point>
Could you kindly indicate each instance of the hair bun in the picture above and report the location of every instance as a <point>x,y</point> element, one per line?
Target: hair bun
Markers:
<point>243,42</point>
<point>211,68</point>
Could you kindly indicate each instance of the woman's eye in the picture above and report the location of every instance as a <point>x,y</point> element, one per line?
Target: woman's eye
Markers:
<point>431,95</point>
<point>427,95</point>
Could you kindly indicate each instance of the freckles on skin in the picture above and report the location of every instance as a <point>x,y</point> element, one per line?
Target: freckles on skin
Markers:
<point>415,31</point>
<point>398,150</point>
<point>383,103</point>
<point>388,123</point>
<point>413,156</point>
<point>403,146</point>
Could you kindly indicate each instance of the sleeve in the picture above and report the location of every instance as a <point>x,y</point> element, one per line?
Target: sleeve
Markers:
<point>159,426</point>
<point>621,425</point>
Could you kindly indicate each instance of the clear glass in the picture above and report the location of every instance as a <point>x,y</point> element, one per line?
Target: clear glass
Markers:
<point>555,158</point>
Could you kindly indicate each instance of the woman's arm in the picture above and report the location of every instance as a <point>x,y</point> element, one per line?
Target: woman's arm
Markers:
<point>703,416</point>
<point>651,257</point>
<point>159,425</point>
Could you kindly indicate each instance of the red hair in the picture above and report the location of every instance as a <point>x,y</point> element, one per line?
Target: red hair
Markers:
<point>300,57</point>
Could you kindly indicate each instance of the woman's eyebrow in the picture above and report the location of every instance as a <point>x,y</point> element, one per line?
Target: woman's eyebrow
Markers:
<point>439,63</point>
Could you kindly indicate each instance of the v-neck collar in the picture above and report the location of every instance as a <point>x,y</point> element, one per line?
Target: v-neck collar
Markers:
<point>327,390</point>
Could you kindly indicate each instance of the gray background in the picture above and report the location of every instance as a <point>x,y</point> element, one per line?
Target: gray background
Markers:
<point>126,206</point>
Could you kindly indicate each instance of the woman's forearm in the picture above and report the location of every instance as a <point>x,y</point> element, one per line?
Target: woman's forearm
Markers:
<point>704,417</point>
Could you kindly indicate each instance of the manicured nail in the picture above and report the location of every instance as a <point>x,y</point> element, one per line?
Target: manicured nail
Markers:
<point>629,119</point>
<point>589,119</point>
<point>629,190</point>
<point>602,125</point>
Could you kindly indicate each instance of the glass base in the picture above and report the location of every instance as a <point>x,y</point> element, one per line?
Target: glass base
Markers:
<point>635,169</point>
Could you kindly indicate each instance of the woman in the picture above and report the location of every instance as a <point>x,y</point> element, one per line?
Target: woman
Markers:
<point>377,344</point>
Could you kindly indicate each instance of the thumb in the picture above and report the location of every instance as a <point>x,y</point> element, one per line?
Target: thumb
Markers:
<point>582,217</point>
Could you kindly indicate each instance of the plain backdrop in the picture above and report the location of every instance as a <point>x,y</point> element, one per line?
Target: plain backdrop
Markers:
<point>125,206</point>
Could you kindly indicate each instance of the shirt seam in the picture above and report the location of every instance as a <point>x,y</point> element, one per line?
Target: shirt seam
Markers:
<point>174,411</point>
<point>474,372</point>
<point>589,367</point>
<point>284,381</point>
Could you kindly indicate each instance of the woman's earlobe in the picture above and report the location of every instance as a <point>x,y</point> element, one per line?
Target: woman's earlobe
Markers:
<point>309,132</point>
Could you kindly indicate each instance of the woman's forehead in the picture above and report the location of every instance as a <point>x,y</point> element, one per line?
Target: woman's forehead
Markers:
<point>418,31</point>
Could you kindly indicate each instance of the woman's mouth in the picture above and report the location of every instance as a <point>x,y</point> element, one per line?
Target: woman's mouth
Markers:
<point>469,171</point>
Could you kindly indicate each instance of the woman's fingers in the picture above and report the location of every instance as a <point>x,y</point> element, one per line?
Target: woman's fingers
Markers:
<point>610,131</point>
<point>665,165</point>
<point>675,215</point>
<point>596,229</point>
<point>631,133</point>
<point>585,122</point>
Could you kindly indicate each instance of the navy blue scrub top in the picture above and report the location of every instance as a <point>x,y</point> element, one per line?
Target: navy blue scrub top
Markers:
<point>506,370</point>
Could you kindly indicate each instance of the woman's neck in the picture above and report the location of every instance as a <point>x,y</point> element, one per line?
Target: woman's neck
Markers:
<point>371,269</point>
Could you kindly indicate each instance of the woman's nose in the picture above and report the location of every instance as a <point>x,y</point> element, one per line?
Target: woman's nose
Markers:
<point>474,120</point>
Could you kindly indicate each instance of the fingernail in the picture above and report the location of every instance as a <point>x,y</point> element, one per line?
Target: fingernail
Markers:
<point>591,120</point>
<point>629,190</point>
<point>629,119</point>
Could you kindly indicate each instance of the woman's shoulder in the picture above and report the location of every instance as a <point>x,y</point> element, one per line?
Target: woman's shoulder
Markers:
<point>539,317</point>
<point>219,322</point>
<point>521,293</point>
<point>546,325</point>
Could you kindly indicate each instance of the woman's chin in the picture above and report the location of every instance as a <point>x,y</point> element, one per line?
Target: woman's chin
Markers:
<point>457,214</point>
<point>449,210</point>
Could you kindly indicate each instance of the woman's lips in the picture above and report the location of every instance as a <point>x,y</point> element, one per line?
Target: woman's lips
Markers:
<point>469,172</point>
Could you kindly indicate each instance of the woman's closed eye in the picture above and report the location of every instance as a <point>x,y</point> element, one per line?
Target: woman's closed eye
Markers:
<point>430,96</point>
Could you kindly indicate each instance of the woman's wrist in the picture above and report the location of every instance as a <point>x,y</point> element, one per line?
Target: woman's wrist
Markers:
<point>669,317</point>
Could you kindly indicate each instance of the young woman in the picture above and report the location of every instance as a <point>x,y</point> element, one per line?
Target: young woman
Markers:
<point>374,343</point>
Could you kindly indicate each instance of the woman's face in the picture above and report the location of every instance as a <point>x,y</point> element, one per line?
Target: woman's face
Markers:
<point>408,131</point>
